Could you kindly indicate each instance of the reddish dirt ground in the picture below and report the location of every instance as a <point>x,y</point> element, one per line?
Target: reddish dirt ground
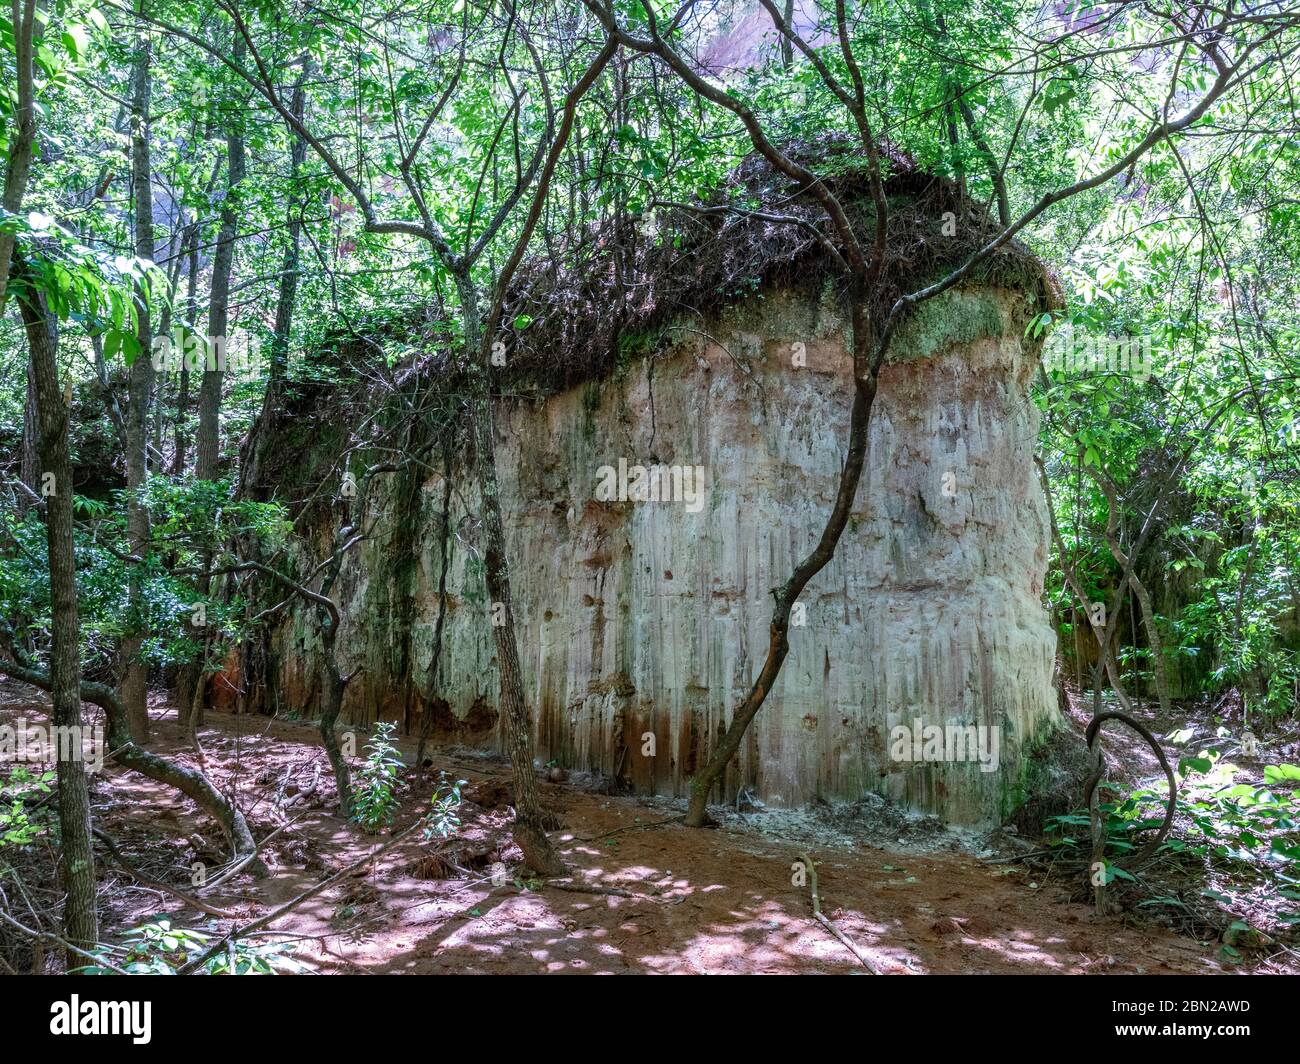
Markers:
<point>718,901</point>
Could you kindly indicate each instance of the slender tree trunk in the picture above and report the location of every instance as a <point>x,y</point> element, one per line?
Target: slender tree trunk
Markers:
<point>193,682</point>
<point>530,820</point>
<point>30,471</point>
<point>289,267</point>
<point>76,856</point>
<point>864,397</point>
<point>140,383</point>
<point>187,676</point>
<point>1111,535</point>
<point>111,405</point>
<point>331,706</point>
<point>1149,623</point>
<point>1153,640</point>
<point>978,139</point>
<point>954,144</point>
<point>45,442</point>
<point>22,126</point>
<point>335,683</point>
<point>15,187</point>
<point>787,45</point>
<point>191,315</point>
<point>1075,584</point>
<point>209,435</point>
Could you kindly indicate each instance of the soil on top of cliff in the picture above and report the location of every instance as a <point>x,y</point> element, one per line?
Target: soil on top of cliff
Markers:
<point>611,294</point>
<point>647,894</point>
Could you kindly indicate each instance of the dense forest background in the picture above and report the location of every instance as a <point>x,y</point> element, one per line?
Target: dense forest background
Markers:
<point>214,210</point>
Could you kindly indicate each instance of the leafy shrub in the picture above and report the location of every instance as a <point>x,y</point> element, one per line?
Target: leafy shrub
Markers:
<point>1228,823</point>
<point>375,795</point>
<point>17,826</point>
<point>157,948</point>
<point>443,818</point>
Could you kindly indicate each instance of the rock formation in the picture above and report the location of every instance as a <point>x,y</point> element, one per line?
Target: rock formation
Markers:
<point>642,601</point>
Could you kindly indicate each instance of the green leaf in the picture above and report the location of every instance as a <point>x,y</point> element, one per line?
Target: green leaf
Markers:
<point>1283,850</point>
<point>75,41</point>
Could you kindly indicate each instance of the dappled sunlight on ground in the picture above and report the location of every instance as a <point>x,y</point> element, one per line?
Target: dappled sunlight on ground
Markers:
<point>646,894</point>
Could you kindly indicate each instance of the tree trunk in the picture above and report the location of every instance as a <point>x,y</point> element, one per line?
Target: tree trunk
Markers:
<point>331,705</point>
<point>191,314</point>
<point>209,436</point>
<point>30,468</point>
<point>435,656</point>
<point>335,683</point>
<point>187,676</point>
<point>1074,583</point>
<point>15,187</point>
<point>864,397</point>
<point>22,126</point>
<point>45,430</point>
<point>530,821</point>
<point>787,46</point>
<point>1111,535</point>
<point>1153,640</point>
<point>289,267</point>
<point>140,384</point>
<point>76,856</point>
<point>192,681</point>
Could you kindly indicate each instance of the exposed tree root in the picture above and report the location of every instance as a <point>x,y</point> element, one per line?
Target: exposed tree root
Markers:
<point>1094,780</point>
<point>125,752</point>
<point>1092,800</point>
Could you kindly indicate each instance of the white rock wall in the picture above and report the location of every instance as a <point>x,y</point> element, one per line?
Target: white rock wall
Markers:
<point>643,617</point>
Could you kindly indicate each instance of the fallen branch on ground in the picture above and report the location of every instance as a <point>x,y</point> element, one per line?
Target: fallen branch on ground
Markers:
<point>591,888</point>
<point>235,934</point>
<point>155,884</point>
<point>248,859</point>
<point>827,923</point>
<point>45,936</point>
<point>633,827</point>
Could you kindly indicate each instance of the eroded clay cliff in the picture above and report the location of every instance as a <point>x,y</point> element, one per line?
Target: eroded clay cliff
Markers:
<point>642,623</point>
